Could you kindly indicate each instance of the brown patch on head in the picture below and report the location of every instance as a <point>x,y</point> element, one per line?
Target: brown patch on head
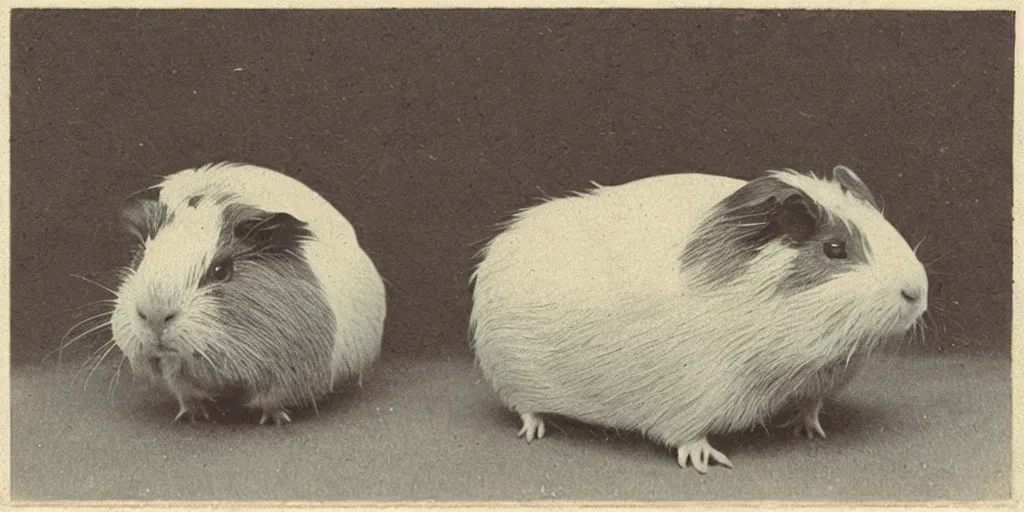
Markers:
<point>737,228</point>
<point>252,234</point>
<point>764,211</point>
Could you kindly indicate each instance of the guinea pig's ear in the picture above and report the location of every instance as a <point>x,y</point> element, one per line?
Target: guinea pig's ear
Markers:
<point>143,218</point>
<point>850,182</point>
<point>793,215</point>
<point>272,231</point>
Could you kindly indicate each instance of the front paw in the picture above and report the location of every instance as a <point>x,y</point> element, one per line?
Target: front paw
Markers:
<point>700,453</point>
<point>533,427</point>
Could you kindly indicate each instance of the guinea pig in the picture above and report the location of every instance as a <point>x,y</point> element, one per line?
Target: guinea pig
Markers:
<point>684,305</point>
<point>245,279</point>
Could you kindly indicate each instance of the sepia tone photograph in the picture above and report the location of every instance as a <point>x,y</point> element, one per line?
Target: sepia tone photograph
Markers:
<point>534,256</point>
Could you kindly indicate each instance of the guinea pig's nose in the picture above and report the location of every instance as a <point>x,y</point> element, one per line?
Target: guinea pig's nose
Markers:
<point>911,293</point>
<point>157,317</point>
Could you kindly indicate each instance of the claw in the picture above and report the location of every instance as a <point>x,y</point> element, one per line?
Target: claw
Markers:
<point>192,410</point>
<point>814,427</point>
<point>533,427</point>
<point>806,421</point>
<point>280,417</point>
<point>699,453</point>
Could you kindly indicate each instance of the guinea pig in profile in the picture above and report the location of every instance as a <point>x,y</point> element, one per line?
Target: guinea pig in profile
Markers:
<point>685,305</point>
<point>246,279</point>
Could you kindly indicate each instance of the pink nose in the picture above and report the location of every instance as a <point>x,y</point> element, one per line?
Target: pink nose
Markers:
<point>157,317</point>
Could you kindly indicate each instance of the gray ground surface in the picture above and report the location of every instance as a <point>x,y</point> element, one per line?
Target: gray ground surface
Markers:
<point>911,428</point>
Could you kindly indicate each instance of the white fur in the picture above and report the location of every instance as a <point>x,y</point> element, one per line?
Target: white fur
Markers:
<point>580,309</point>
<point>176,259</point>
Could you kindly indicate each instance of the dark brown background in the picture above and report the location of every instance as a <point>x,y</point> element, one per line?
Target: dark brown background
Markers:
<point>425,128</point>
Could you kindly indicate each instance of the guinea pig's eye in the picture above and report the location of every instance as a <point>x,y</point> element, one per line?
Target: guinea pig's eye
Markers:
<point>222,271</point>
<point>835,250</point>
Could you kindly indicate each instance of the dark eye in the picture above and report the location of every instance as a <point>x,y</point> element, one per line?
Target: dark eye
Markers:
<point>835,250</point>
<point>222,271</point>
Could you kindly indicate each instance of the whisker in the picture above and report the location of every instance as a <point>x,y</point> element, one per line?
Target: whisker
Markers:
<point>918,333</point>
<point>960,325</point>
<point>99,362</point>
<point>65,344</point>
<point>927,319</point>
<point>563,430</point>
<point>934,261</point>
<point>945,321</point>
<point>105,347</point>
<point>91,318</point>
<point>90,281</point>
<point>141,190</point>
<point>116,378</point>
<point>93,330</point>
<point>93,359</point>
<point>101,302</point>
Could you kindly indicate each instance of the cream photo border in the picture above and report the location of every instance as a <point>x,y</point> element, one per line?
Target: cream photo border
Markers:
<point>1017,352</point>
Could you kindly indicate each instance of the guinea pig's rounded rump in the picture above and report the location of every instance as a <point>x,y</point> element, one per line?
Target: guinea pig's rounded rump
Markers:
<point>608,240</point>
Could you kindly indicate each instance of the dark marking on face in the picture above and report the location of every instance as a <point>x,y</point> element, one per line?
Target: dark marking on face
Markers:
<point>767,210</point>
<point>222,271</point>
<point>144,218</point>
<point>138,251</point>
<point>225,198</point>
<point>833,250</point>
<point>194,201</point>
<point>278,309</point>
<point>795,217</point>
<point>251,234</point>
<point>836,249</point>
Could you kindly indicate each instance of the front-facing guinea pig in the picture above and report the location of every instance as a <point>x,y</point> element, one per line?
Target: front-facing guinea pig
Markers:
<point>246,279</point>
<point>685,305</point>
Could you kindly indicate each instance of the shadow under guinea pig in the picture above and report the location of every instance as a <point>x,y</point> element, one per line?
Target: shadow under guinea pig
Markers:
<point>844,422</point>
<point>147,404</point>
<point>562,429</point>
